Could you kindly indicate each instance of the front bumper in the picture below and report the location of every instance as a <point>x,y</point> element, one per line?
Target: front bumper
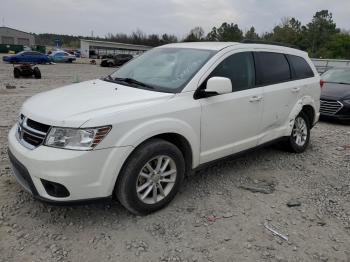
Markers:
<point>86,174</point>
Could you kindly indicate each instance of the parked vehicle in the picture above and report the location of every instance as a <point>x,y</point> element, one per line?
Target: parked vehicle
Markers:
<point>77,53</point>
<point>93,54</point>
<point>137,132</point>
<point>26,57</point>
<point>335,95</point>
<point>60,56</point>
<point>26,70</point>
<point>117,60</point>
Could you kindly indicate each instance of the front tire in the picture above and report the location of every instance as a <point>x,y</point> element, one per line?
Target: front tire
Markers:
<point>300,136</point>
<point>151,177</point>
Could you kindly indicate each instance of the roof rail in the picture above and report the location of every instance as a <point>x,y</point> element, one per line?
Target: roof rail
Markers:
<point>249,41</point>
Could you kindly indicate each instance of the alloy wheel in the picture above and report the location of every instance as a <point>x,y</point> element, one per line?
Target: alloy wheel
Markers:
<point>299,132</point>
<point>156,179</point>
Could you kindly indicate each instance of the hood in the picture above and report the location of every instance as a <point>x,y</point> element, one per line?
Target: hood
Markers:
<point>335,91</point>
<point>73,105</point>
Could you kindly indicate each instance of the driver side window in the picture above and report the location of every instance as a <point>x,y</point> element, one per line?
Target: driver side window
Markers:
<point>239,68</point>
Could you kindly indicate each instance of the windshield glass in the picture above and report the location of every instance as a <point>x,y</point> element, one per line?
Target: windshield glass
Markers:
<point>164,69</point>
<point>337,76</point>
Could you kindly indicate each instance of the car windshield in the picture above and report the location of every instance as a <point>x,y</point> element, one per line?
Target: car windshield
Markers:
<point>163,69</point>
<point>337,76</point>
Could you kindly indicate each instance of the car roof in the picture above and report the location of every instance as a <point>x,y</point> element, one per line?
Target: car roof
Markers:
<point>202,45</point>
<point>217,46</point>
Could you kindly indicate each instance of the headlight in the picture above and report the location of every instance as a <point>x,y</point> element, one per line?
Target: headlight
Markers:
<point>76,139</point>
<point>347,101</point>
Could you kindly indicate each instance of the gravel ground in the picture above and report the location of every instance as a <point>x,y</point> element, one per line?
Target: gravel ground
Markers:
<point>221,213</point>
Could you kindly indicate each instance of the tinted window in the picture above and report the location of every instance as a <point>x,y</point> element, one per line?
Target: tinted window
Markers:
<point>239,68</point>
<point>300,66</point>
<point>272,68</point>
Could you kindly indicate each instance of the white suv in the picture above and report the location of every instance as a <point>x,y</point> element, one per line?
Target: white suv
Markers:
<point>136,133</point>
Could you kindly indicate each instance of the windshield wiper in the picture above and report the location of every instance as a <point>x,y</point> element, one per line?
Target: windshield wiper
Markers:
<point>132,81</point>
<point>108,78</point>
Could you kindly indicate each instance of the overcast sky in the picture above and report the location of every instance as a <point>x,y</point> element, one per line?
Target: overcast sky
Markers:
<point>80,17</point>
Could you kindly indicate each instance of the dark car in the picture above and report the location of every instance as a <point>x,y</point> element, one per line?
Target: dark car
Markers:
<point>118,60</point>
<point>27,57</point>
<point>335,95</point>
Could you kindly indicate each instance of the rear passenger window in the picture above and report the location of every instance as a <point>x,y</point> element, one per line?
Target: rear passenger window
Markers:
<point>301,67</point>
<point>272,68</point>
<point>239,68</point>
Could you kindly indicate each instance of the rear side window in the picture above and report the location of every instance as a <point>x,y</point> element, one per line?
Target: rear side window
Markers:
<point>272,68</point>
<point>239,68</point>
<point>301,68</point>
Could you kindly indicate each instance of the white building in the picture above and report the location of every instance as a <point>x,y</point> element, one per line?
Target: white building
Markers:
<point>98,48</point>
<point>12,36</point>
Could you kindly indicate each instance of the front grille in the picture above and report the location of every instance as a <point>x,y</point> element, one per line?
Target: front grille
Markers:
<point>30,133</point>
<point>38,126</point>
<point>330,107</point>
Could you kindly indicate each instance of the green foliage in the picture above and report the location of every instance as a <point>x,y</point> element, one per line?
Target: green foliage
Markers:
<point>319,32</point>
<point>226,32</point>
<point>288,31</point>
<point>320,37</point>
<point>339,46</point>
<point>195,35</point>
<point>251,34</point>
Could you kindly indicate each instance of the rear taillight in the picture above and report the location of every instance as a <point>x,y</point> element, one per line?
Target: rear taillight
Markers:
<point>321,83</point>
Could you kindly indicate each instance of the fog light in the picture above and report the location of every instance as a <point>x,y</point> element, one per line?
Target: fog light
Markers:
<point>55,189</point>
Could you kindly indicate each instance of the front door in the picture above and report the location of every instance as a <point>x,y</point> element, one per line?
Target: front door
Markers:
<point>230,122</point>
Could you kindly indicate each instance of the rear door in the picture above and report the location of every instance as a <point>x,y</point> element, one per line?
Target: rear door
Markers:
<point>229,122</point>
<point>280,93</point>
<point>302,74</point>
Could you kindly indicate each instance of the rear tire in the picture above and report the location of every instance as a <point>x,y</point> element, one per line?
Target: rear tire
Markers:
<point>300,136</point>
<point>36,73</point>
<point>16,73</point>
<point>151,177</point>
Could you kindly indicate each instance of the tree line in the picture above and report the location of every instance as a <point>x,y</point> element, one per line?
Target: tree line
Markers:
<point>321,37</point>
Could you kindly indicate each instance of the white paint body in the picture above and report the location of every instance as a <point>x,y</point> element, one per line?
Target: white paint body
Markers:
<point>215,127</point>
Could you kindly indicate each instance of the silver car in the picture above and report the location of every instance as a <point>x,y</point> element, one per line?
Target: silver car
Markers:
<point>61,56</point>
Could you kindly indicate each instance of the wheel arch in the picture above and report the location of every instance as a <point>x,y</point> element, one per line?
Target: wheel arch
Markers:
<point>180,141</point>
<point>306,104</point>
<point>310,113</point>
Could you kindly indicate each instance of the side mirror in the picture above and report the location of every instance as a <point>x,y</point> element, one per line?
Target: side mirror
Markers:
<point>219,85</point>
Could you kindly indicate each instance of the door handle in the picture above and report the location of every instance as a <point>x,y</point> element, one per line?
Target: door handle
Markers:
<point>295,89</point>
<point>255,99</point>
